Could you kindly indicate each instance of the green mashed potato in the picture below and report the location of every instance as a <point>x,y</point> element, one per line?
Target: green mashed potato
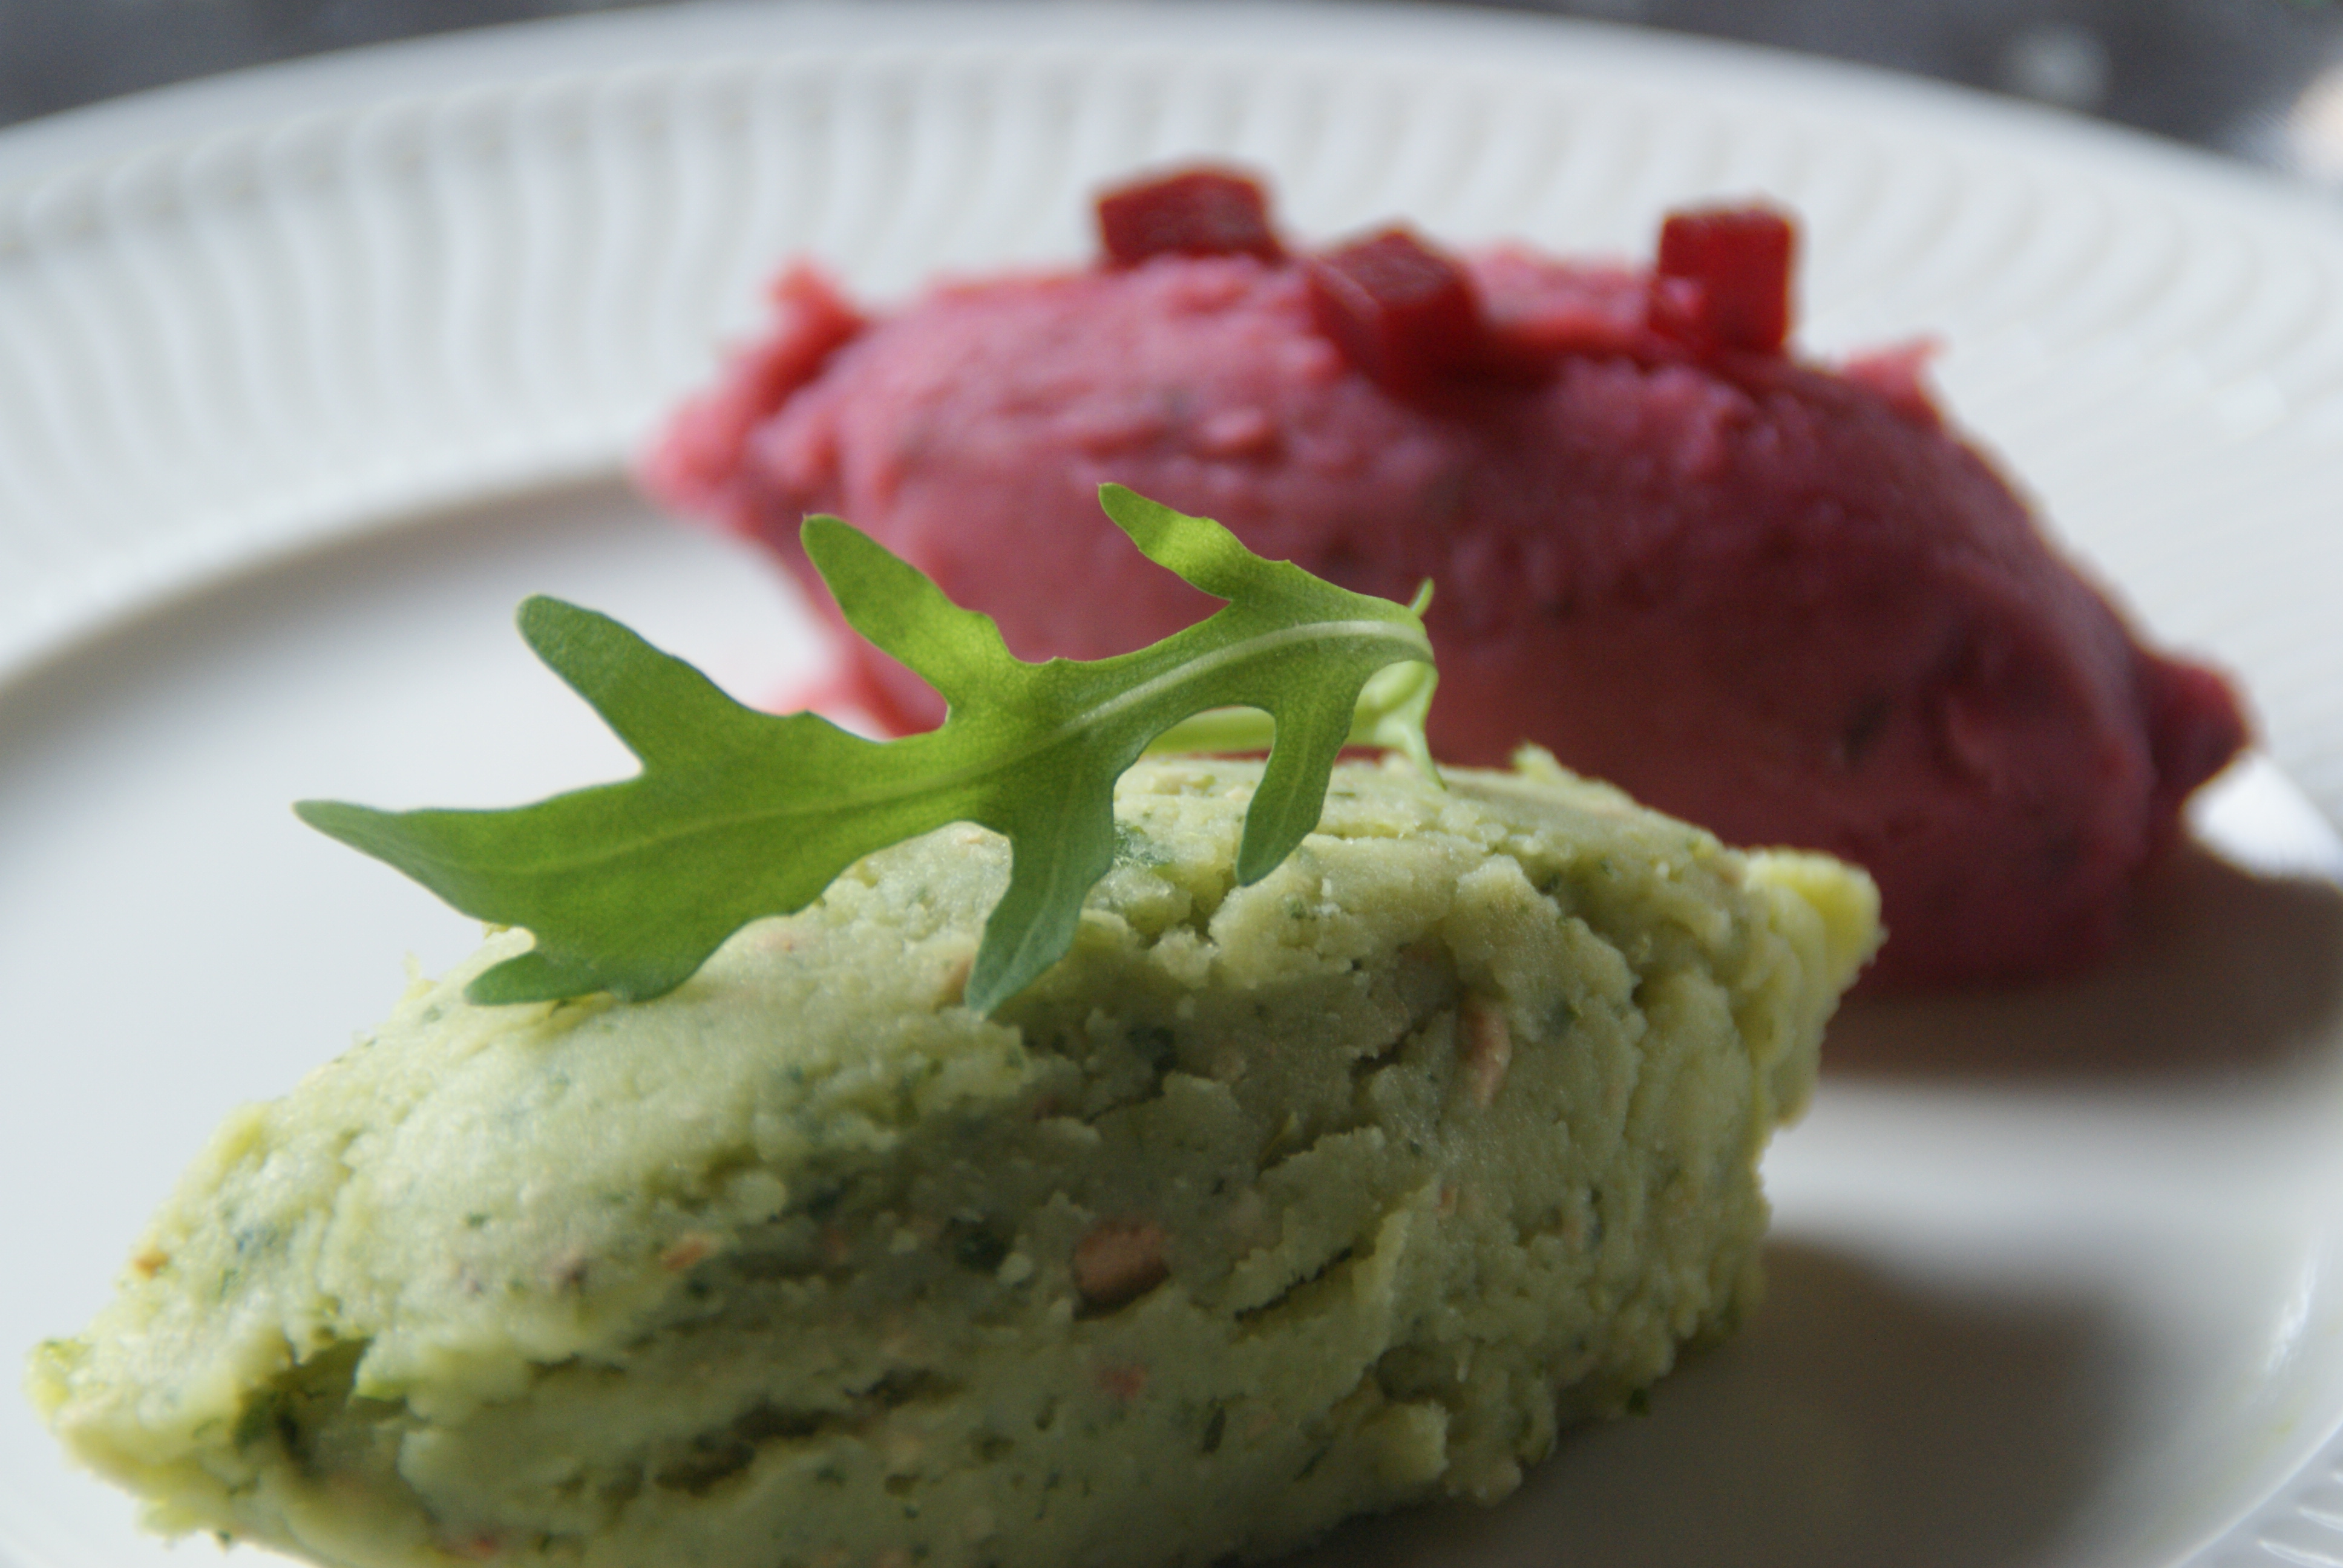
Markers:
<point>1266,1206</point>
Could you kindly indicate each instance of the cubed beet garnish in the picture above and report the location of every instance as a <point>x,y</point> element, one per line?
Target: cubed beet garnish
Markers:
<point>1724,278</point>
<point>1202,212</point>
<point>1404,313</point>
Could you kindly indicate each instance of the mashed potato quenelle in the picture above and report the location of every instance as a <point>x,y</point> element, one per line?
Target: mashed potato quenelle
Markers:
<point>1266,1206</point>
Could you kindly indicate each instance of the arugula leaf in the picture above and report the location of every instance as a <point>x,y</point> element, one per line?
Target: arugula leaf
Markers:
<point>629,887</point>
<point>1392,709</point>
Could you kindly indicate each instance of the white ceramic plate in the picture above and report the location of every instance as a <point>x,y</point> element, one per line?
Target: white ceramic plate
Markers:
<point>307,376</point>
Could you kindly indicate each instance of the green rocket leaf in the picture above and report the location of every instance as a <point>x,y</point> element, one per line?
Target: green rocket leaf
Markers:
<point>628,886</point>
<point>1392,709</point>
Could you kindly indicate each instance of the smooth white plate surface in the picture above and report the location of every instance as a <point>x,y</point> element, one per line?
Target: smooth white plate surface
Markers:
<point>306,377</point>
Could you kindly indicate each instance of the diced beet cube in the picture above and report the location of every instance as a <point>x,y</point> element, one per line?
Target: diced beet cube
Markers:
<point>1401,312</point>
<point>1724,278</point>
<point>1200,212</point>
<point>1677,308</point>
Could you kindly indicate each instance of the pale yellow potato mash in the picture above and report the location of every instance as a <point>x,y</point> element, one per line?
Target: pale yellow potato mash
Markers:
<point>1266,1206</point>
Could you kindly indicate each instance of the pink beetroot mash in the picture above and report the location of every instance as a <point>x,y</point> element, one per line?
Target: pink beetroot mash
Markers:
<point>1774,597</point>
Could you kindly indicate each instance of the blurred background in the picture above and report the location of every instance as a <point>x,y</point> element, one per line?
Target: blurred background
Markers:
<point>2261,80</point>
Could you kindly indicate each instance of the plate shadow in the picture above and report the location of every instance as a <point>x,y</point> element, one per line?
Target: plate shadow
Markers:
<point>1855,1420</point>
<point>2224,972</point>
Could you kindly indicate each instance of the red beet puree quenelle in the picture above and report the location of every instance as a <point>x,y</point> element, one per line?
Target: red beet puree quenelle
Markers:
<point>1776,599</point>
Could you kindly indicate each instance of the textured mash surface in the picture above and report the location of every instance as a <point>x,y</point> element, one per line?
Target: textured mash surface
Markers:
<point>1267,1206</point>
